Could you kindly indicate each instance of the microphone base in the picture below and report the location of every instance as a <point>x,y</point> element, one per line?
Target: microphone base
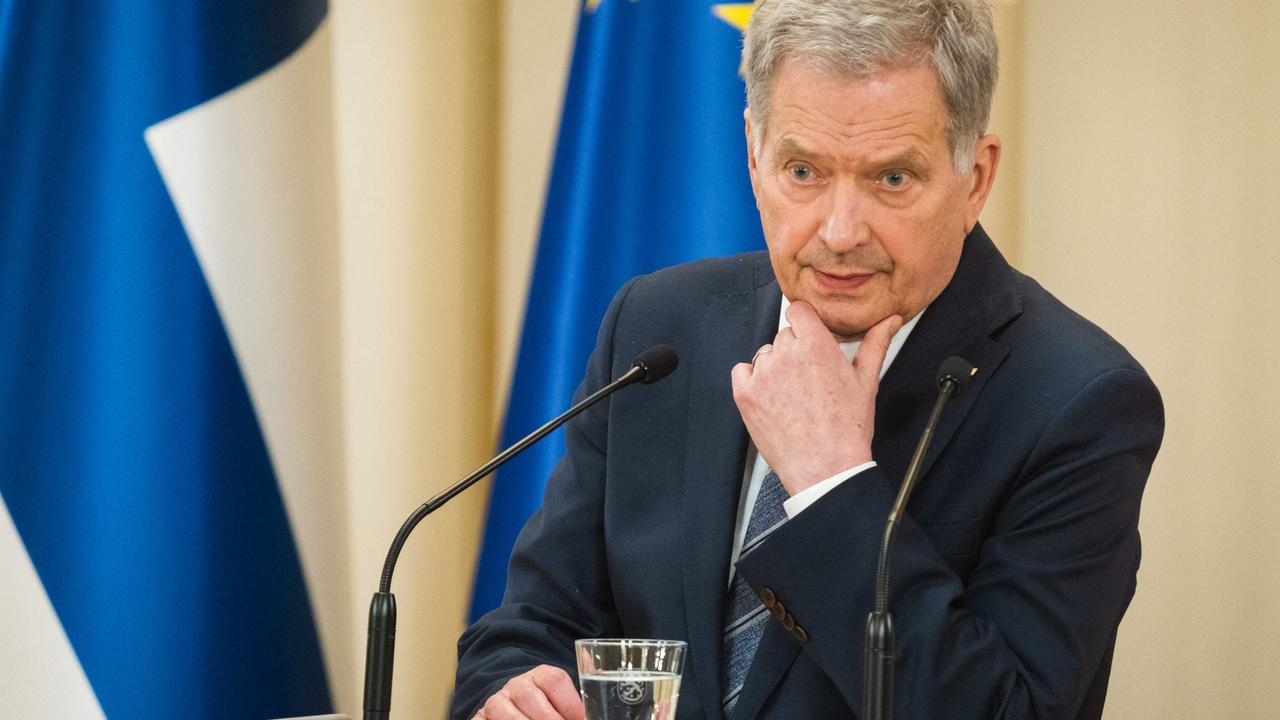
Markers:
<point>380,656</point>
<point>877,671</point>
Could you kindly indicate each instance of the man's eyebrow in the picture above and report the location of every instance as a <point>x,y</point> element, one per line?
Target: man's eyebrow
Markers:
<point>910,158</point>
<point>788,145</point>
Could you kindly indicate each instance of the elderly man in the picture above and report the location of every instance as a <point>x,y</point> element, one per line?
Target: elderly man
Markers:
<point>739,504</point>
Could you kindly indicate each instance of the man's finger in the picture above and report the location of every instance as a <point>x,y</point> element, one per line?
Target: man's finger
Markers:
<point>529,699</point>
<point>560,690</point>
<point>785,337</point>
<point>764,351</point>
<point>874,347</point>
<point>500,707</point>
<point>739,376</point>
<point>805,321</point>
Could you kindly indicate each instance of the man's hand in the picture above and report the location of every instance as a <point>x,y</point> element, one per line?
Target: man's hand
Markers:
<point>543,693</point>
<point>811,413</point>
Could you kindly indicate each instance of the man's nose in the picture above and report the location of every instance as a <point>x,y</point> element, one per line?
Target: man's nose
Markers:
<point>845,226</point>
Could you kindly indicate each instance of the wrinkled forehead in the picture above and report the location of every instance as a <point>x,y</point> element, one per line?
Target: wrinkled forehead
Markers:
<point>896,109</point>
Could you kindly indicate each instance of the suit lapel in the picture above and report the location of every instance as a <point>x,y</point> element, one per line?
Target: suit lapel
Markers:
<point>980,298</point>
<point>733,326</point>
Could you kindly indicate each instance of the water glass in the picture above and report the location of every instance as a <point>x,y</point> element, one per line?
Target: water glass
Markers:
<point>630,679</point>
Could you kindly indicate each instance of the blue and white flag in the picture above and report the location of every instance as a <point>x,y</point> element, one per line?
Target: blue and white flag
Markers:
<point>650,170</point>
<point>168,359</point>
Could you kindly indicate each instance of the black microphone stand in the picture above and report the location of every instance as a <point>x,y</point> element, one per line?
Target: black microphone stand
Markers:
<point>652,365</point>
<point>877,671</point>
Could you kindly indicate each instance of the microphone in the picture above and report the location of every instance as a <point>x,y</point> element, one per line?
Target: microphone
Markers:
<point>877,671</point>
<point>655,363</point>
<point>649,367</point>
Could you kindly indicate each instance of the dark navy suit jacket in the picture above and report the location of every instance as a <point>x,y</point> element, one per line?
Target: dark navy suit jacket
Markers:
<point>1011,571</point>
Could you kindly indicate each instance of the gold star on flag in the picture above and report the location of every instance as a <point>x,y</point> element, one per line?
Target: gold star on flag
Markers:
<point>736,14</point>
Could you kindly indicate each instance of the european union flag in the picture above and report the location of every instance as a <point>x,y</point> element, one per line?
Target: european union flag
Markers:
<point>133,466</point>
<point>650,171</point>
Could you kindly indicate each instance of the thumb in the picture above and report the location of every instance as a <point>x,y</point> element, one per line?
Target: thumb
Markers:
<point>875,345</point>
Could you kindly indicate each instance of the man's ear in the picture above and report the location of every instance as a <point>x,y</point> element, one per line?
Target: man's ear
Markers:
<point>986,160</point>
<point>752,169</point>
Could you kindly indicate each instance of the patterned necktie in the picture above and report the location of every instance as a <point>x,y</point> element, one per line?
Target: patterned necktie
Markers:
<point>745,616</point>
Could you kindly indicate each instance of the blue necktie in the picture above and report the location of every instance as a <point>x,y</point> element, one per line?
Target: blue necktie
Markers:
<point>745,616</point>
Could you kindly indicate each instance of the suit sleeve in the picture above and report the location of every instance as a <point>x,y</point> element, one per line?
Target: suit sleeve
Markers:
<point>1027,633</point>
<point>557,581</point>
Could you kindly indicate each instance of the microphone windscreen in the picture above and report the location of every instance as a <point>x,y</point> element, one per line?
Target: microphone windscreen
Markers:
<point>657,363</point>
<point>957,370</point>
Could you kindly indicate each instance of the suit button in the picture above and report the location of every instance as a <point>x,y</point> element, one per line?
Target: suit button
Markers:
<point>800,634</point>
<point>789,623</point>
<point>779,610</point>
<point>768,598</point>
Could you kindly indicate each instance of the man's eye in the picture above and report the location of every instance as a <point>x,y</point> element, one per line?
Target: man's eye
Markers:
<point>802,172</point>
<point>894,179</point>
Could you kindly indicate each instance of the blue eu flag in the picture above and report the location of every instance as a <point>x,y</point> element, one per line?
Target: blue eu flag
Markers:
<point>650,171</point>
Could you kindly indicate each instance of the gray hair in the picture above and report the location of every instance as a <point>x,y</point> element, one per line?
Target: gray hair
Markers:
<point>857,38</point>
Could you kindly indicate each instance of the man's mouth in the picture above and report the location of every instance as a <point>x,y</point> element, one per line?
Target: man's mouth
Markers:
<point>841,281</point>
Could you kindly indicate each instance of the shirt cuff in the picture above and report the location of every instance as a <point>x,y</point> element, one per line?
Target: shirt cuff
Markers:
<point>796,504</point>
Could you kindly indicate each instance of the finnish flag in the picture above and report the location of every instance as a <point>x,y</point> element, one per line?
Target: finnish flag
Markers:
<point>170,450</point>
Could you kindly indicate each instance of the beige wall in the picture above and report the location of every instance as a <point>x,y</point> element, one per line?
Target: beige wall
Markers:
<point>416,117</point>
<point>1152,200</point>
<point>1139,184</point>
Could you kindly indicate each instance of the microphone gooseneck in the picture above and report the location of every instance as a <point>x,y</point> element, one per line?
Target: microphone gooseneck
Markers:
<point>649,367</point>
<point>877,673</point>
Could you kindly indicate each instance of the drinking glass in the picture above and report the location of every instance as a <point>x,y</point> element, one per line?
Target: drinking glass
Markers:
<point>630,679</point>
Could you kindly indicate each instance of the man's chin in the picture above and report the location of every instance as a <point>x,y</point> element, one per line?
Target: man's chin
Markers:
<point>845,329</point>
<point>847,318</point>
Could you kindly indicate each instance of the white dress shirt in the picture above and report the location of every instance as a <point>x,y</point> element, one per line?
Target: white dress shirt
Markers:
<point>757,468</point>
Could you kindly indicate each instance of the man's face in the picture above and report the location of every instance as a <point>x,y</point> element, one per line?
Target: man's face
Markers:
<point>863,210</point>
